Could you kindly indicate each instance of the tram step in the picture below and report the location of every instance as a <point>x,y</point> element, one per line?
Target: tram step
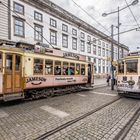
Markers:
<point>13,96</point>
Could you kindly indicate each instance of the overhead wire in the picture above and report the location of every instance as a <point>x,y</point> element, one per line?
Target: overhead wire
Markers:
<point>132,14</point>
<point>90,16</point>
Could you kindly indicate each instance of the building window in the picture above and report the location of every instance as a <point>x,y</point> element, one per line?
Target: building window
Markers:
<point>64,28</point>
<point>94,49</point>
<point>99,42</point>
<point>103,44</point>
<point>19,27</point>
<point>99,65</point>
<point>103,52</point>
<point>74,43</point>
<point>99,51</point>
<point>38,32</point>
<point>107,46</point>
<point>38,16</point>
<point>53,37</point>
<point>94,40</point>
<point>107,53</point>
<point>82,46</point>
<point>89,38</point>
<point>53,23</point>
<point>74,32</point>
<point>88,48</point>
<point>82,35</point>
<point>18,8</point>
<point>65,40</point>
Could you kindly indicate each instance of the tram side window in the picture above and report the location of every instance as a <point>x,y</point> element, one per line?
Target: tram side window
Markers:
<point>77,69</point>
<point>48,67</point>
<point>18,63</point>
<point>121,67</point>
<point>65,68</point>
<point>82,69</point>
<point>38,66</point>
<point>8,62</point>
<point>57,68</point>
<point>72,69</point>
<point>0,62</point>
<point>132,66</point>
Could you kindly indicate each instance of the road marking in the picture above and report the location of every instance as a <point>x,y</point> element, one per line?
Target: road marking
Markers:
<point>54,111</point>
<point>104,93</point>
<point>3,114</point>
<point>81,95</point>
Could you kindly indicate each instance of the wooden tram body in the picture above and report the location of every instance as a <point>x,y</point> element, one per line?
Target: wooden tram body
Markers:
<point>34,74</point>
<point>128,77</point>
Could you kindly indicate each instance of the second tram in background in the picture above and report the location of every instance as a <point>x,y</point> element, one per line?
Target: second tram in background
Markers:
<point>128,77</point>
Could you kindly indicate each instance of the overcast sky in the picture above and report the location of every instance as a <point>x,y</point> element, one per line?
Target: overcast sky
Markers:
<point>96,7</point>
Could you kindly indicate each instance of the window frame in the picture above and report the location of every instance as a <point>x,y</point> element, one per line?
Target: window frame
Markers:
<point>57,65</point>
<point>53,31</point>
<point>16,3</point>
<point>39,34</point>
<point>82,35</point>
<point>74,43</point>
<point>52,66</point>
<point>63,67</point>
<point>64,27</point>
<point>42,66</point>
<point>88,48</point>
<point>84,69</point>
<point>23,26</point>
<point>35,12</point>
<point>82,46</point>
<point>65,40</point>
<point>127,62</point>
<point>74,32</point>
<point>53,23</point>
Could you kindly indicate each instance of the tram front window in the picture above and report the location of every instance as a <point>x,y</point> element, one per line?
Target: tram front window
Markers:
<point>121,67</point>
<point>132,66</point>
<point>0,62</point>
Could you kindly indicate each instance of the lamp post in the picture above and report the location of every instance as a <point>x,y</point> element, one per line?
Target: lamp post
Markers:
<point>112,58</point>
<point>118,26</point>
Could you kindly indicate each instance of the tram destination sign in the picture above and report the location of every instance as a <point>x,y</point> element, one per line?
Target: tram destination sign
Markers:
<point>71,55</point>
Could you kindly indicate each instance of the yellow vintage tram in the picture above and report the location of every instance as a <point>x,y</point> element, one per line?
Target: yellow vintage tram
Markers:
<point>128,77</point>
<point>41,72</point>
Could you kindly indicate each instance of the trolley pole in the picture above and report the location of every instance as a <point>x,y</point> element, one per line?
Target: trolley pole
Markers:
<point>112,57</point>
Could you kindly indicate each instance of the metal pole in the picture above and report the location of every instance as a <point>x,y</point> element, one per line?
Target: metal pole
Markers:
<point>112,57</point>
<point>118,31</point>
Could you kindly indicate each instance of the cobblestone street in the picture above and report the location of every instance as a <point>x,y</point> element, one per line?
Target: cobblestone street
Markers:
<point>30,119</point>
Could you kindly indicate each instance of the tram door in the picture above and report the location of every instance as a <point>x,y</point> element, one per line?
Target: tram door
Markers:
<point>90,73</point>
<point>13,73</point>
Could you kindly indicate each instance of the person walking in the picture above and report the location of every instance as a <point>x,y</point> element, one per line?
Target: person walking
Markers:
<point>108,77</point>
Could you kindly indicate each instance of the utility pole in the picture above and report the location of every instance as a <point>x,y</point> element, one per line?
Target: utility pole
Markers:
<point>118,33</point>
<point>112,57</point>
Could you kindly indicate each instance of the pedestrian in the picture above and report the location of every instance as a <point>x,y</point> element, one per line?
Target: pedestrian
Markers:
<point>108,77</point>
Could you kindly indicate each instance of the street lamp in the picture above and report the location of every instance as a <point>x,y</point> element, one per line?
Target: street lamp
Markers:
<point>118,11</point>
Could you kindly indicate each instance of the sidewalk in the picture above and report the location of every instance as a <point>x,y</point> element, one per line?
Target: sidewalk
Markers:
<point>100,82</point>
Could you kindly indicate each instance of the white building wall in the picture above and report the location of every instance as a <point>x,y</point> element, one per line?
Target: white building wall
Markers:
<point>4,20</point>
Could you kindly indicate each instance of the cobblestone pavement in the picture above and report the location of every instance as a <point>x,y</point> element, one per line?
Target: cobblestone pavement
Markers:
<point>134,133</point>
<point>28,120</point>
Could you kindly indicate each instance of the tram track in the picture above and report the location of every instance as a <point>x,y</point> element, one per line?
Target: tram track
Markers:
<point>125,130</point>
<point>69,123</point>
